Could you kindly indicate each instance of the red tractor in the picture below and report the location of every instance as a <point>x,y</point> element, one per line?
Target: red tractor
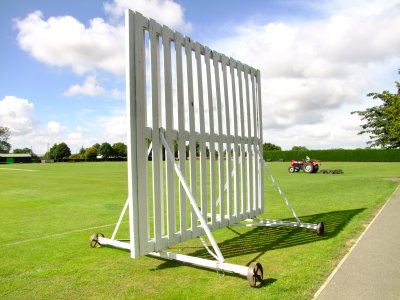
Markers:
<point>307,165</point>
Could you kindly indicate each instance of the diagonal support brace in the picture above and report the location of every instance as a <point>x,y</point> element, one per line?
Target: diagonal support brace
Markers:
<point>192,200</point>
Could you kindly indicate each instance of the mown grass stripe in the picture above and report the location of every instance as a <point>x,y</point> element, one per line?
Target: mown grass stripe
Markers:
<point>56,235</point>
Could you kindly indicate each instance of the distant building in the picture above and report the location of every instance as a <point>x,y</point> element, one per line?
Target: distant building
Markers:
<point>15,158</point>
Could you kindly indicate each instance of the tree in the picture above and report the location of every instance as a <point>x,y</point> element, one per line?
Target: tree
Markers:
<point>197,149</point>
<point>24,150</point>
<point>91,153</point>
<point>75,156</point>
<point>120,149</point>
<point>382,121</point>
<point>52,152</point>
<point>27,150</point>
<point>97,147</point>
<point>63,151</point>
<point>4,136</point>
<point>59,151</point>
<point>106,150</point>
<point>271,147</point>
<point>299,148</point>
<point>82,151</point>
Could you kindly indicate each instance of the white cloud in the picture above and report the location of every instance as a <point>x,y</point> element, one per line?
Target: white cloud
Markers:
<point>80,137</point>
<point>336,132</point>
<point>311,70</point>
<point>17,114</point>
<point>356,7</point>
<point>166,12</point>
<point>321,49</point>
<point>114,127</point>
<point>55,128</point>
<point>117,94</point>
<point>88,88</point>
<point>76,136</point>
<point>66,42</point>
<point>313,73</point>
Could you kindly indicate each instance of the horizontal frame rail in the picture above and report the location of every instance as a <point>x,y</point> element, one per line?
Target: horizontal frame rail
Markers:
<point>237,269</point>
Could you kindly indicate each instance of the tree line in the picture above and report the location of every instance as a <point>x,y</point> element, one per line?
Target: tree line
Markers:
<point>105,151</point>
<point>62,151</point>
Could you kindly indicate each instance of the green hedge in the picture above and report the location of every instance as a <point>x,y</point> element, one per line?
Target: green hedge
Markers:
<point>357,155</point>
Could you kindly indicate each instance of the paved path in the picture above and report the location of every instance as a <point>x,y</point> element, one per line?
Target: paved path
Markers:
<point>371,270</point>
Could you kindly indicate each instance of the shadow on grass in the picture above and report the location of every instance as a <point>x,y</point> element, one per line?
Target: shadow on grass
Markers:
<point>262,239</point>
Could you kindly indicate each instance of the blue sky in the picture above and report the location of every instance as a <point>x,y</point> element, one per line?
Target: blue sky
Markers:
<point>62,64</point>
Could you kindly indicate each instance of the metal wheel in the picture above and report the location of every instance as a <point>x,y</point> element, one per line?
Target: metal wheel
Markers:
<point>308,167</point>
<point>291,169</point>
<point>255,274</point>
<point>320,228</point>
<point>94,240</point>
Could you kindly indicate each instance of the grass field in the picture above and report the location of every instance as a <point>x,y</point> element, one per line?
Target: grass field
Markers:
<point>48,211</point>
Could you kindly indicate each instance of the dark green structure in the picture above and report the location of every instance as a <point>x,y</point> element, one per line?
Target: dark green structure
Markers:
<point>15,158</point>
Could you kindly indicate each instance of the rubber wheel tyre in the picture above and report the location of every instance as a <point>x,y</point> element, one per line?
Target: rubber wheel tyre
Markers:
<point>308,168</point>
<point>291,169</point>
<point>320,228</point>
<point>316,168</point>
<point>94,240</point>
<point>255,274</point>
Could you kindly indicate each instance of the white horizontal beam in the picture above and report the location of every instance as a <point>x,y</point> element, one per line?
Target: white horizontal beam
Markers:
<point>104,241</point>
<point>237,269</point>
<point>271,223</point>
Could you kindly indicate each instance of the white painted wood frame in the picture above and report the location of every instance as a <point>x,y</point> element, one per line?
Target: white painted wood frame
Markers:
<point>198,115</point>
<point>217,113</point>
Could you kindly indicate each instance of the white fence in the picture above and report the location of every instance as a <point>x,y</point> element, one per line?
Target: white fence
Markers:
<point>198,114</point>
<point>200,99</point>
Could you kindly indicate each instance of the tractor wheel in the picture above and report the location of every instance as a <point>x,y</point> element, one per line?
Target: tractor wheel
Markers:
<point>291,169</point>
<point>316,168</point>
<point>308,168</point>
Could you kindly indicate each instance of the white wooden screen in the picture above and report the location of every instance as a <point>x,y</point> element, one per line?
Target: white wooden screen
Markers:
<point>201,100</point>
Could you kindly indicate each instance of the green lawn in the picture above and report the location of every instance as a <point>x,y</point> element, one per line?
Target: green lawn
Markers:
<point>48,211</point>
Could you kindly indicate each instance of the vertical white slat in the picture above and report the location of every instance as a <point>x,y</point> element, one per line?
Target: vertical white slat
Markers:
<point>235,143</point>
<point>242,142</point>
<point>155,30</point>
<point>260,145</point>
<point>216,60</point>
<point>249,152</point>
<point>192,132</point>
<point>179,43</point>
<point>130,20</point>
<point>213,193</point>
<point>224,63</point>
<point>242,111</point>
<point>203,170</point>
<point>255,162</point>
<point>167,35</point>
<point>141,144</point>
